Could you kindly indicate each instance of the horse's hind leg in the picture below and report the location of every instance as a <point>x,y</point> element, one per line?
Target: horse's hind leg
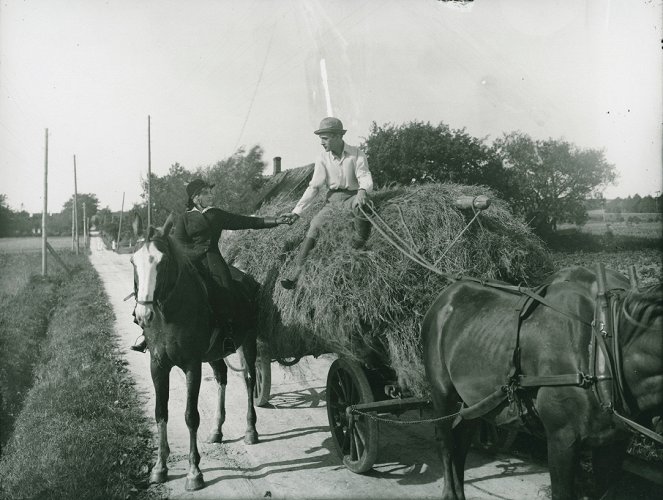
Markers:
<point>194,479</point>
<point>161,381</point>
<point>249,351</point>
<point>221,377</point>
<point>462,439</point>
<point>447,440</point>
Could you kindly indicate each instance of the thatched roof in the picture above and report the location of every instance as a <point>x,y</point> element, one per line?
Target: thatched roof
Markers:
<point>288,183</point>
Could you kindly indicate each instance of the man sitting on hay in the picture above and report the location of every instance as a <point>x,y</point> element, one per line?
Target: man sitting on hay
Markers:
<point>344,169</point>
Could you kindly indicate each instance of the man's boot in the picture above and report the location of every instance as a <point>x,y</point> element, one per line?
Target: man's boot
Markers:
<point>362,232</point>
<point>306,247</point>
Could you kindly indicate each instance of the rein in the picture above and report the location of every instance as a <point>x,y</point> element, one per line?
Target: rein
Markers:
<point>605,378</point>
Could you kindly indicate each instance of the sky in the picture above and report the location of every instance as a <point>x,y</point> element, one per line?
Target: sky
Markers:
<point>215,75</point>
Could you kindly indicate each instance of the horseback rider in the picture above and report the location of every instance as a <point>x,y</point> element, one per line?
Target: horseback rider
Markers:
<point>344,170</point>
<point>198,231</point>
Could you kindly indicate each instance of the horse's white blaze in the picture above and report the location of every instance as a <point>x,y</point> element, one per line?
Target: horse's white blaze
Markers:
<point>146,259</point>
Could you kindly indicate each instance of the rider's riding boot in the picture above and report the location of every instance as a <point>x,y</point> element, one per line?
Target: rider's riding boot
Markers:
<point>140,345</point>
<point>306,247</point>
<point>362,232</point>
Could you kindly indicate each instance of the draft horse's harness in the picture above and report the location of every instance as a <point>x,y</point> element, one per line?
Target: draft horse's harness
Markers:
<point>605,376</point>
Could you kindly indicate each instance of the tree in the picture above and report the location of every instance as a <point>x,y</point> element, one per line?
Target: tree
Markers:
<point>550,179</point>
<point>237,179</point>
<point>5,216</point>
<point>167,193</point>
<point>420,152</point>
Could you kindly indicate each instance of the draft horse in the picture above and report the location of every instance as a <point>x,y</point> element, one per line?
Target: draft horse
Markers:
<point>172,306</point>
<point>576,364</point>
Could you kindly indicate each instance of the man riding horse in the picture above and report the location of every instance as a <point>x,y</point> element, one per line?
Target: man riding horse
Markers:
<point>198,231</point>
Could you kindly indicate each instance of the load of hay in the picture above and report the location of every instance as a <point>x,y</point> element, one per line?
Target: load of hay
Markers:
<point>368,304</point>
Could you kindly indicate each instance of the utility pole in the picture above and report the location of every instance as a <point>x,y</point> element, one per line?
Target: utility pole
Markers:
<point>84,227</point>
<point>44,264</point>
<point>119,229</point>
<point>76,207</point>
<point>149,174</point>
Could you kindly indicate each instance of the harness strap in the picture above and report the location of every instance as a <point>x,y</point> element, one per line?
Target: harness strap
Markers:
<point>637,427</point>
<point>549,304</point>
<point>484,406</point>
<point>579,379</point>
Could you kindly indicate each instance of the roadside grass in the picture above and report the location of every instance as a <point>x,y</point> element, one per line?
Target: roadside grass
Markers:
<point>16,270</point>
<point>82,432</point>
<point>25,305</point>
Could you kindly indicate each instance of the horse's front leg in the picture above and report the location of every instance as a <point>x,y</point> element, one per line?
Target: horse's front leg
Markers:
<point>563,459</point>
<point>607,466</point>
<point>221,377</point>
<point>249,352</point>
<point>161,381</point>
<point>194,479</point>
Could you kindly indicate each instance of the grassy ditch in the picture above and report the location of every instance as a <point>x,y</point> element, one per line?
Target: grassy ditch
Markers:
<point>25,306</point>
<point>81,432</point>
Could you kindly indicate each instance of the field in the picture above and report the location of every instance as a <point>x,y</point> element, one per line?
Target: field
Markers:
<point>17,245</point>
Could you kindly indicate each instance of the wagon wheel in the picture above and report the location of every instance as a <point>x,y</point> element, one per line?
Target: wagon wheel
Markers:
<point>263,386</point>
<point>356,446</point>
<point>492,438</point>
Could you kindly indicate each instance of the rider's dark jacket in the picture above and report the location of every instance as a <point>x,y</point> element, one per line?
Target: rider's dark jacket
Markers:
<point>199,232</point>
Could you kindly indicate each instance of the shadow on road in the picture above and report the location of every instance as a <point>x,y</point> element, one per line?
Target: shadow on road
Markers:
<point>312,397</point>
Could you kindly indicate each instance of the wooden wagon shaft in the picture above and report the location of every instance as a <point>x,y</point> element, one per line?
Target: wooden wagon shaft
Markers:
<point>390,405</point>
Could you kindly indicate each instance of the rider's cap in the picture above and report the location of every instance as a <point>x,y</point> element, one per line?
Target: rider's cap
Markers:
<point>196,186</point>
<point>330,124</point>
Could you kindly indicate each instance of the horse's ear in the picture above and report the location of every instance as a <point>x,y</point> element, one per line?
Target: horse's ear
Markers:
<point>150,233</point>
<point>169,224</point>
<point>633,277</point>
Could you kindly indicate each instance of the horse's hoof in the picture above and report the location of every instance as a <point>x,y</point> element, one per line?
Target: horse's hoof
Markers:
<point>159,476</point>
<point>215,437</point>
<point>194,483</point>
<point>251,437</point>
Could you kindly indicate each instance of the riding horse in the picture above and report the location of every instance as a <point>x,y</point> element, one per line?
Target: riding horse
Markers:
<point>545,360</point>
<point>173,308</point>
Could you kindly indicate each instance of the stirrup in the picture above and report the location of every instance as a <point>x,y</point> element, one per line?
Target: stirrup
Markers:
<point>140,347</point>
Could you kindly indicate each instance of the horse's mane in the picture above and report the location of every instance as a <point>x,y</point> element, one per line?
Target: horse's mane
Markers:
<point>644,305</point>
<point>173,249</point>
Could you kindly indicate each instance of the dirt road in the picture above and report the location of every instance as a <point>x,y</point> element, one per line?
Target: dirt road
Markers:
<point>295,458</point>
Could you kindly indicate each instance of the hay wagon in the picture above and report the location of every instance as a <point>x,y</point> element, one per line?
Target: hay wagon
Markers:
<point>361,393</point>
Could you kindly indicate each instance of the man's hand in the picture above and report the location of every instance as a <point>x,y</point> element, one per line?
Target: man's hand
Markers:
<point>289,219</point>
<point>360,199</point>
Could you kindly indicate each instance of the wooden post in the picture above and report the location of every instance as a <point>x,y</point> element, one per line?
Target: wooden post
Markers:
<point>44,242</point>
<point>73,230</point>
<point>119,229</point>
<point>76,207</point>
<point>149,174</point>
<point>84,228</point>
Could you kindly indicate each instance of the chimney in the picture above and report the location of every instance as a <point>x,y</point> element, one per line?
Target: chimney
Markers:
<point>277,165</point>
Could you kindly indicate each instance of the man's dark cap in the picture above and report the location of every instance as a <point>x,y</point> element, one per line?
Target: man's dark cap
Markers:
<point>330,125</point>
<point>196,186</point>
